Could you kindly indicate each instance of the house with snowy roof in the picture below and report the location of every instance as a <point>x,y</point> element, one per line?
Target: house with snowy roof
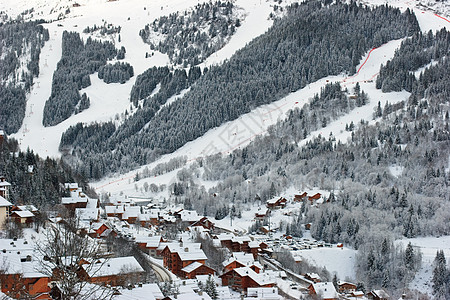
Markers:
<point>346,287</point>
<point>323,290</point>
<point>204,222</point>
<point>178,256</point>
<point>5,186</point>
<point>239,260</point>
<point>24,218</point>
<point>20,278</point>
<point>276,203</point>
<point>241,279</point>
<point>115,211</point>
<point>117,271</point>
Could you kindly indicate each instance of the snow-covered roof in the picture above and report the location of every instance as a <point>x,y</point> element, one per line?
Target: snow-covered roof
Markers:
<point>15,245</point>
<point>380,293</point>
<point>28,207</point>
<point>112,209</point>
<point>13,264</point>
<point>192,296</point>
<point>115,266</point>
<point>131,212</point>
<point>187,251</point>
<point>87,213</point>
<point>148,291</point>
<point>326,290</point>
<point>73,200</point>
<point>189,268</point>
<point>189,215</point>
<point>261,278</point>
<point>4,183</point>
<point>264,293</point>
<point>4,202</point>
<point>71,186</point>
<point>23,214</point>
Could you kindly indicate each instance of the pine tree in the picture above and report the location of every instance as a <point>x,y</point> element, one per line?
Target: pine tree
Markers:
<point>210,288</point>
<point>440,275</point>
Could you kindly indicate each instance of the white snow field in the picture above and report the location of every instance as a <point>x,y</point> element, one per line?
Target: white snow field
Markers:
<point>428,246</point>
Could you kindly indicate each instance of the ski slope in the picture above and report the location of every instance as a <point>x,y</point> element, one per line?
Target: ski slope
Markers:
<point>110,101</point>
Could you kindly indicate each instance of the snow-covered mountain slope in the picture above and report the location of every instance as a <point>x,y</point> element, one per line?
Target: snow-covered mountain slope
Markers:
<point>110,101</point>
<point>239,133</point>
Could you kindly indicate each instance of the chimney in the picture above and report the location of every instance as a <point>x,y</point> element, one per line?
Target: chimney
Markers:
<point>186,249</point>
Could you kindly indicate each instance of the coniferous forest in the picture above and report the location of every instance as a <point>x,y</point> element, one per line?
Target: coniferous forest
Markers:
<point>18,39</point>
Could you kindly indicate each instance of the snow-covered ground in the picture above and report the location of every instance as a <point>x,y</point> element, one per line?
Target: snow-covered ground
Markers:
<point>428,246</point>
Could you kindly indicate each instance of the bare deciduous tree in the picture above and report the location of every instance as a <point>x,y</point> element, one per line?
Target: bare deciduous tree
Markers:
<point>65,254</point>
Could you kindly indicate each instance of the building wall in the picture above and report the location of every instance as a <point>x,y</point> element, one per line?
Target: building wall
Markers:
<point>4,211</point>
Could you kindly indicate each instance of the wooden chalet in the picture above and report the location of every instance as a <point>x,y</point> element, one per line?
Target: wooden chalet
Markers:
<point>241,279</point>
<point>300,197</point>
<point>314,197</point>
<point>178,256</point>
<point>276,203</point>
<point>205,223</point>
<point>325,290</point>
<point>19,279</point>
<point>114,211</point>
<point>346,287</point>
<point>196,268</point>
<point>24,218</point>
<point>117,271</point>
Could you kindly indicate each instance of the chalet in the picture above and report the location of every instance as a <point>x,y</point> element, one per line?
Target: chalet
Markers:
<point>149,244</point>
<point>313,277</point>
<point>196,268</point>
<point>301,197</point>
<point>5,186</point>
<point>378,295</point>
<point>177,256</point>
<point>148,219</point>
<point>2,136</point>
<point>117,271</point>
<point>276,203</point>
<point>131,214</point>
<point>324,290</point>
<point>261,215</point>
<point>114,211</point>
<point>314,197</point>
<point>205,223</point>
<point>28,207</point>
<point>4,210</point>
<point>88,214</point>
<point>241,279</point>
<point>97,229</point>
<point>71,203</point>
<point>239,260</point>
<point>24,218</point>
<point>19,277</point>
<point>346,287</point>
